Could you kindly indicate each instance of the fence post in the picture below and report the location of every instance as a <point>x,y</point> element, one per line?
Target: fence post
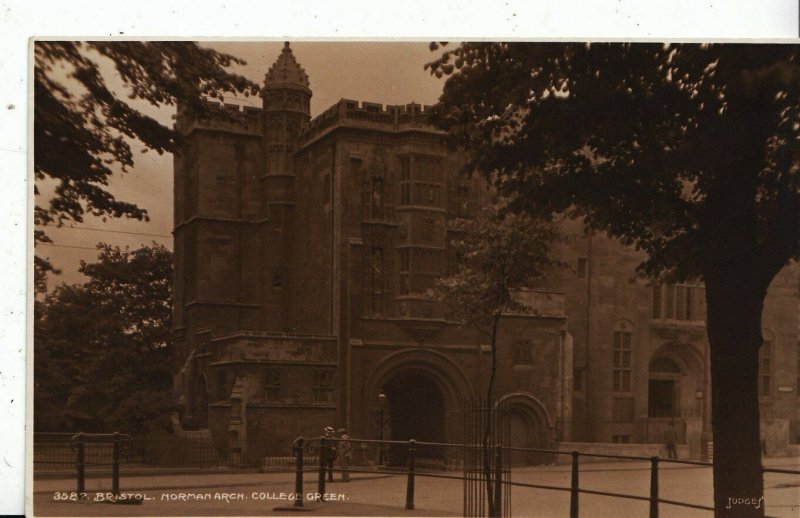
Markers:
<point>498,481</point>
<point>115,465</point>
<point>412,448</point>
<point>80,463</point>
<point>298,473</point>
<point>653,487</point>
<point>323,461</point>
<point>573,501</point>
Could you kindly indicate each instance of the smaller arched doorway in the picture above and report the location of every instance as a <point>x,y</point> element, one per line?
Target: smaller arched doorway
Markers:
<point>528,427</point>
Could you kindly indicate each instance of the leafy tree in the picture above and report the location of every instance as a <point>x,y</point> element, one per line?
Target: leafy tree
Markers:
<point>102,350</point>
<point>83,129</point>
<point>499,253</point>
<point>686,152</point>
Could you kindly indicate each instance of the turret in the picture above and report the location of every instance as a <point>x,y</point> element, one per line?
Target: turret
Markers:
<point>286,95</point>
<point>287,98</point>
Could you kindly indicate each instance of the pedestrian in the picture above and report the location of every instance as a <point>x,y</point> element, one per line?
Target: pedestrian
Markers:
<point>345,454</point>
<point>671,439</point>
<point>331,451</point>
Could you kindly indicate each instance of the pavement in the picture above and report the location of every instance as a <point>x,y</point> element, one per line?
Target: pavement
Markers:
<point>381,494</point>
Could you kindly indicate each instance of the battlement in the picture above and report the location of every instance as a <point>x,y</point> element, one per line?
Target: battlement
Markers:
<point>368,115</point>
<point>253,111</point>
<point>243,119</point>
<point>228,117</point>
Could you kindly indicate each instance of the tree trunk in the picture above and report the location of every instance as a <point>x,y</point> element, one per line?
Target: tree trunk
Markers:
<point>488,433</point>
<point>735,304</point>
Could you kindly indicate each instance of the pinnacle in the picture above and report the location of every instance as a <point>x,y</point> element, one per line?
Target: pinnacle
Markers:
<point>286,71</point>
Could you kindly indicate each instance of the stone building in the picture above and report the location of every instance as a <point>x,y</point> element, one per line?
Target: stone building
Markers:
<point>640,351</point>
<point>303,248</point>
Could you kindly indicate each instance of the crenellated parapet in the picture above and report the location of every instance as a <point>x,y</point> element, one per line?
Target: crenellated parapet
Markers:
<point>225,117</point>
<point>369,115</point>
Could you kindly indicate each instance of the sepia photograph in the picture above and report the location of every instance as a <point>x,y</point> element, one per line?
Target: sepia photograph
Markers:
<point>415,278</point>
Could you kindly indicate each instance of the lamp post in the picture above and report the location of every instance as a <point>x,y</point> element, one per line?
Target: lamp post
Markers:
<point>381,404</point>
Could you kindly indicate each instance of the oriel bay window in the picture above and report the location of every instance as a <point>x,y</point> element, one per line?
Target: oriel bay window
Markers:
<point>419,268</point>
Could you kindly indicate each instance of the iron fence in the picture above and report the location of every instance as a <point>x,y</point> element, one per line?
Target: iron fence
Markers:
<point>55,452</point>
<point>325,467</point>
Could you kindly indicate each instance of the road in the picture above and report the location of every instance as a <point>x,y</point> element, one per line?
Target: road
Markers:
<point>377,494</point>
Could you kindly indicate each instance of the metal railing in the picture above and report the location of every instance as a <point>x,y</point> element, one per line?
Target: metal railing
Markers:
<point>53,452</point>
<point>411,470</point>
<point>117,441</point>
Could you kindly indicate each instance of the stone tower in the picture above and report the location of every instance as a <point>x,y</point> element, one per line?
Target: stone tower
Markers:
<point>286,96</point>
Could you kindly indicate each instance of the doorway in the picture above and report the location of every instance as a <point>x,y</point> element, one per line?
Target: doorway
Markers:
<point>416,410</point>
<point>661,398</point>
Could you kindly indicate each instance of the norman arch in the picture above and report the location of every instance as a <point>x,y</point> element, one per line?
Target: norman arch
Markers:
<point>423,395</point>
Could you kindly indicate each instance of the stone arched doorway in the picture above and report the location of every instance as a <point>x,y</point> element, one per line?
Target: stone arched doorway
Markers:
<point>423,396</point>
<point>529,426</point>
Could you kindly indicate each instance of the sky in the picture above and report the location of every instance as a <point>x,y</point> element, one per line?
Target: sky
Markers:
<point>381,72</point>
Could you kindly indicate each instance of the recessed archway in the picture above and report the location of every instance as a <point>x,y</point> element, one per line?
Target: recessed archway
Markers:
<point>416,410</point>
<point>425,394</point>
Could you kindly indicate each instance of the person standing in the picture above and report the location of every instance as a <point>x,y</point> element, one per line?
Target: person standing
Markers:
<point>345,454</point>
<point>671,439</point>
<point>331,451</point>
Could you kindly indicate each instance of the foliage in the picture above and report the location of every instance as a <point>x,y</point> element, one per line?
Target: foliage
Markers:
<point>497,253</point>
<point>83,128</point>
<point>687,152</point>
<point>102,350</point>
